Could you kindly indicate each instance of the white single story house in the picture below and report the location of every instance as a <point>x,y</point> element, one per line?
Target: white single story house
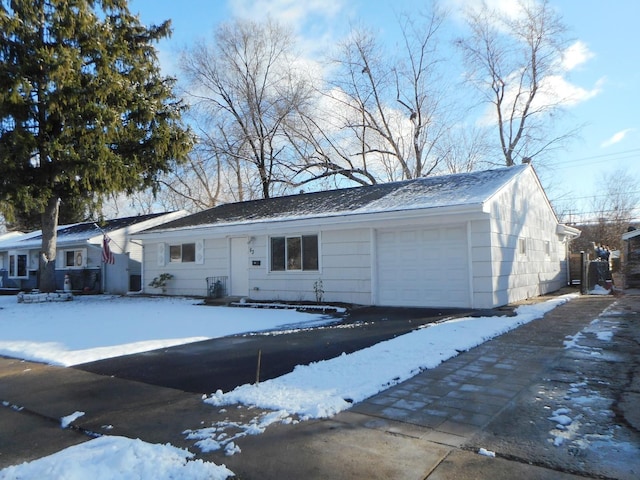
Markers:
<point>79,255</point>
<point>479,240</point>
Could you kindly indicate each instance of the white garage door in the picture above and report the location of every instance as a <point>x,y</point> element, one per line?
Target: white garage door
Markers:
<point>423,267</point>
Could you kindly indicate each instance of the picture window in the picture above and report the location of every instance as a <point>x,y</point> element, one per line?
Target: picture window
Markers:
<point>294,253</point>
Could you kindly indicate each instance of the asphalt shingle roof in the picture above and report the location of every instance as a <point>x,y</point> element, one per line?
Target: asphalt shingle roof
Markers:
<point>428,192</point>
<point>89,229</point>
<point>78,231</point>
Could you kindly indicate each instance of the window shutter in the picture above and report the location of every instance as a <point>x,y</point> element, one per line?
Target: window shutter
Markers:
<point>200,251</point>
<point>161,254</point>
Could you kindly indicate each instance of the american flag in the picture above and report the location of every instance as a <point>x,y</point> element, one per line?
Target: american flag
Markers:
<point>107,254</point>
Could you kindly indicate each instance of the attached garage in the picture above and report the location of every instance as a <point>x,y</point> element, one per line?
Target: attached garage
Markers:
<point>426,267</point>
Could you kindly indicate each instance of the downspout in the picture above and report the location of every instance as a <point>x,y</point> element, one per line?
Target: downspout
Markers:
<point>141,265</point>
<point>567,262</point>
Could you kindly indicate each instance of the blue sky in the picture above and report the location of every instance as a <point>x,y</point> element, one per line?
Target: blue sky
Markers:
<point>606,75</point>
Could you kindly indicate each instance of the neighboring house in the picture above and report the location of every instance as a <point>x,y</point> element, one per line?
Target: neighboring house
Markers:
<point>478,240</point>
<point>3,238</point>
<point>79,255</point>
<point>631,258</point>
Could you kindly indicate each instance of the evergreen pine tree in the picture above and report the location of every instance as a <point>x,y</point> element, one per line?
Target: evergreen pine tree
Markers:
<point>84,109</point>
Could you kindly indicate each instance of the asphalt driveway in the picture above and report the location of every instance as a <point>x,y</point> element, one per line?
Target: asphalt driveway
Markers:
<point>224,363</point>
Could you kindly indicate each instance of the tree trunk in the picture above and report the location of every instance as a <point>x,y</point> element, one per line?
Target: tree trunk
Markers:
<point>49,240</point>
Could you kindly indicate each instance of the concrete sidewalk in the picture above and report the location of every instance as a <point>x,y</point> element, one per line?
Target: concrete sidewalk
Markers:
<point>433,425</point>
<point>496,396</point>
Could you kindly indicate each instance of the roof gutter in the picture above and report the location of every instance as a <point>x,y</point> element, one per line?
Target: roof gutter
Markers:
<point>568,232</point>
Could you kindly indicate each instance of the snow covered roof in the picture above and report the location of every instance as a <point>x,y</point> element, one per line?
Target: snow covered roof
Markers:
<point>473,188</point>
<point>78,232</point>
<point>631,234</point>
<point>8,235</point>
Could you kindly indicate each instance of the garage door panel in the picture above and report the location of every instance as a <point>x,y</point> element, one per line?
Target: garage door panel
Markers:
<point>423,267</point>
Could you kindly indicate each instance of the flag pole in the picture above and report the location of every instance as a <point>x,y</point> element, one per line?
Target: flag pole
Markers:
<point>105,233</point>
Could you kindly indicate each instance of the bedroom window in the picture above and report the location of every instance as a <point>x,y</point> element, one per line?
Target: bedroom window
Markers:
<point>183,253</point>
<point>18,265</point>
<point>294,253</point>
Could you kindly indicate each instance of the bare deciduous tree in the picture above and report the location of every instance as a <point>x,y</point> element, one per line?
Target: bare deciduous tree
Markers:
<point>384,116</point>
<point>194,185</point>
<point>511,60</point>
<point>464,149</point>
<point>614,206</point>
<point>246,85</point>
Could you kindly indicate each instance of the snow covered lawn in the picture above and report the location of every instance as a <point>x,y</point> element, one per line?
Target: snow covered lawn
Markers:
<point>96,327</point>
<point>90,328</point>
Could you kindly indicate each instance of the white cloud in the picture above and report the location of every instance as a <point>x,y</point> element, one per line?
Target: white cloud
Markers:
<point>504,8</point>
<point>616,137</point>
<point>558,90</point>
<point>313,22</point>
<point>290,12</point>
<point>575,55</point>
<point>507,7</point>
<point>554,90</point>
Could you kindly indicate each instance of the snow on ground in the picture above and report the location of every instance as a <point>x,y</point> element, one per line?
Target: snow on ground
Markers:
<point>121,458</point>
<point>96,327</point>
<point>90,328</point>
<point>583,419</point>
<point>322,389</point>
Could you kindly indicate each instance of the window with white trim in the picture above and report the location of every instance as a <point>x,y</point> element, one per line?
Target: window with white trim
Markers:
<point>74,258</point>
<point>294,253</point>
<point>18,264</point>
<point>182,253</point>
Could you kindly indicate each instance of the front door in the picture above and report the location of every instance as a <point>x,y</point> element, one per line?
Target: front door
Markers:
<point>239,267</point>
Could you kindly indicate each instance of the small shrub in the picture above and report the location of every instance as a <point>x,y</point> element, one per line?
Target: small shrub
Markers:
<point>161,281</point>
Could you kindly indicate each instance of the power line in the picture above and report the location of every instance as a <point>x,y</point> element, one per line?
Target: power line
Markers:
<point>589,197</point>
<point>606,155</point>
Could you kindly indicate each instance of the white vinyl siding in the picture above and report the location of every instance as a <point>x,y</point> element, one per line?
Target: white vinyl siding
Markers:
<point>344,268</point>
<point>189,278</point>
<point>526,253</point>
